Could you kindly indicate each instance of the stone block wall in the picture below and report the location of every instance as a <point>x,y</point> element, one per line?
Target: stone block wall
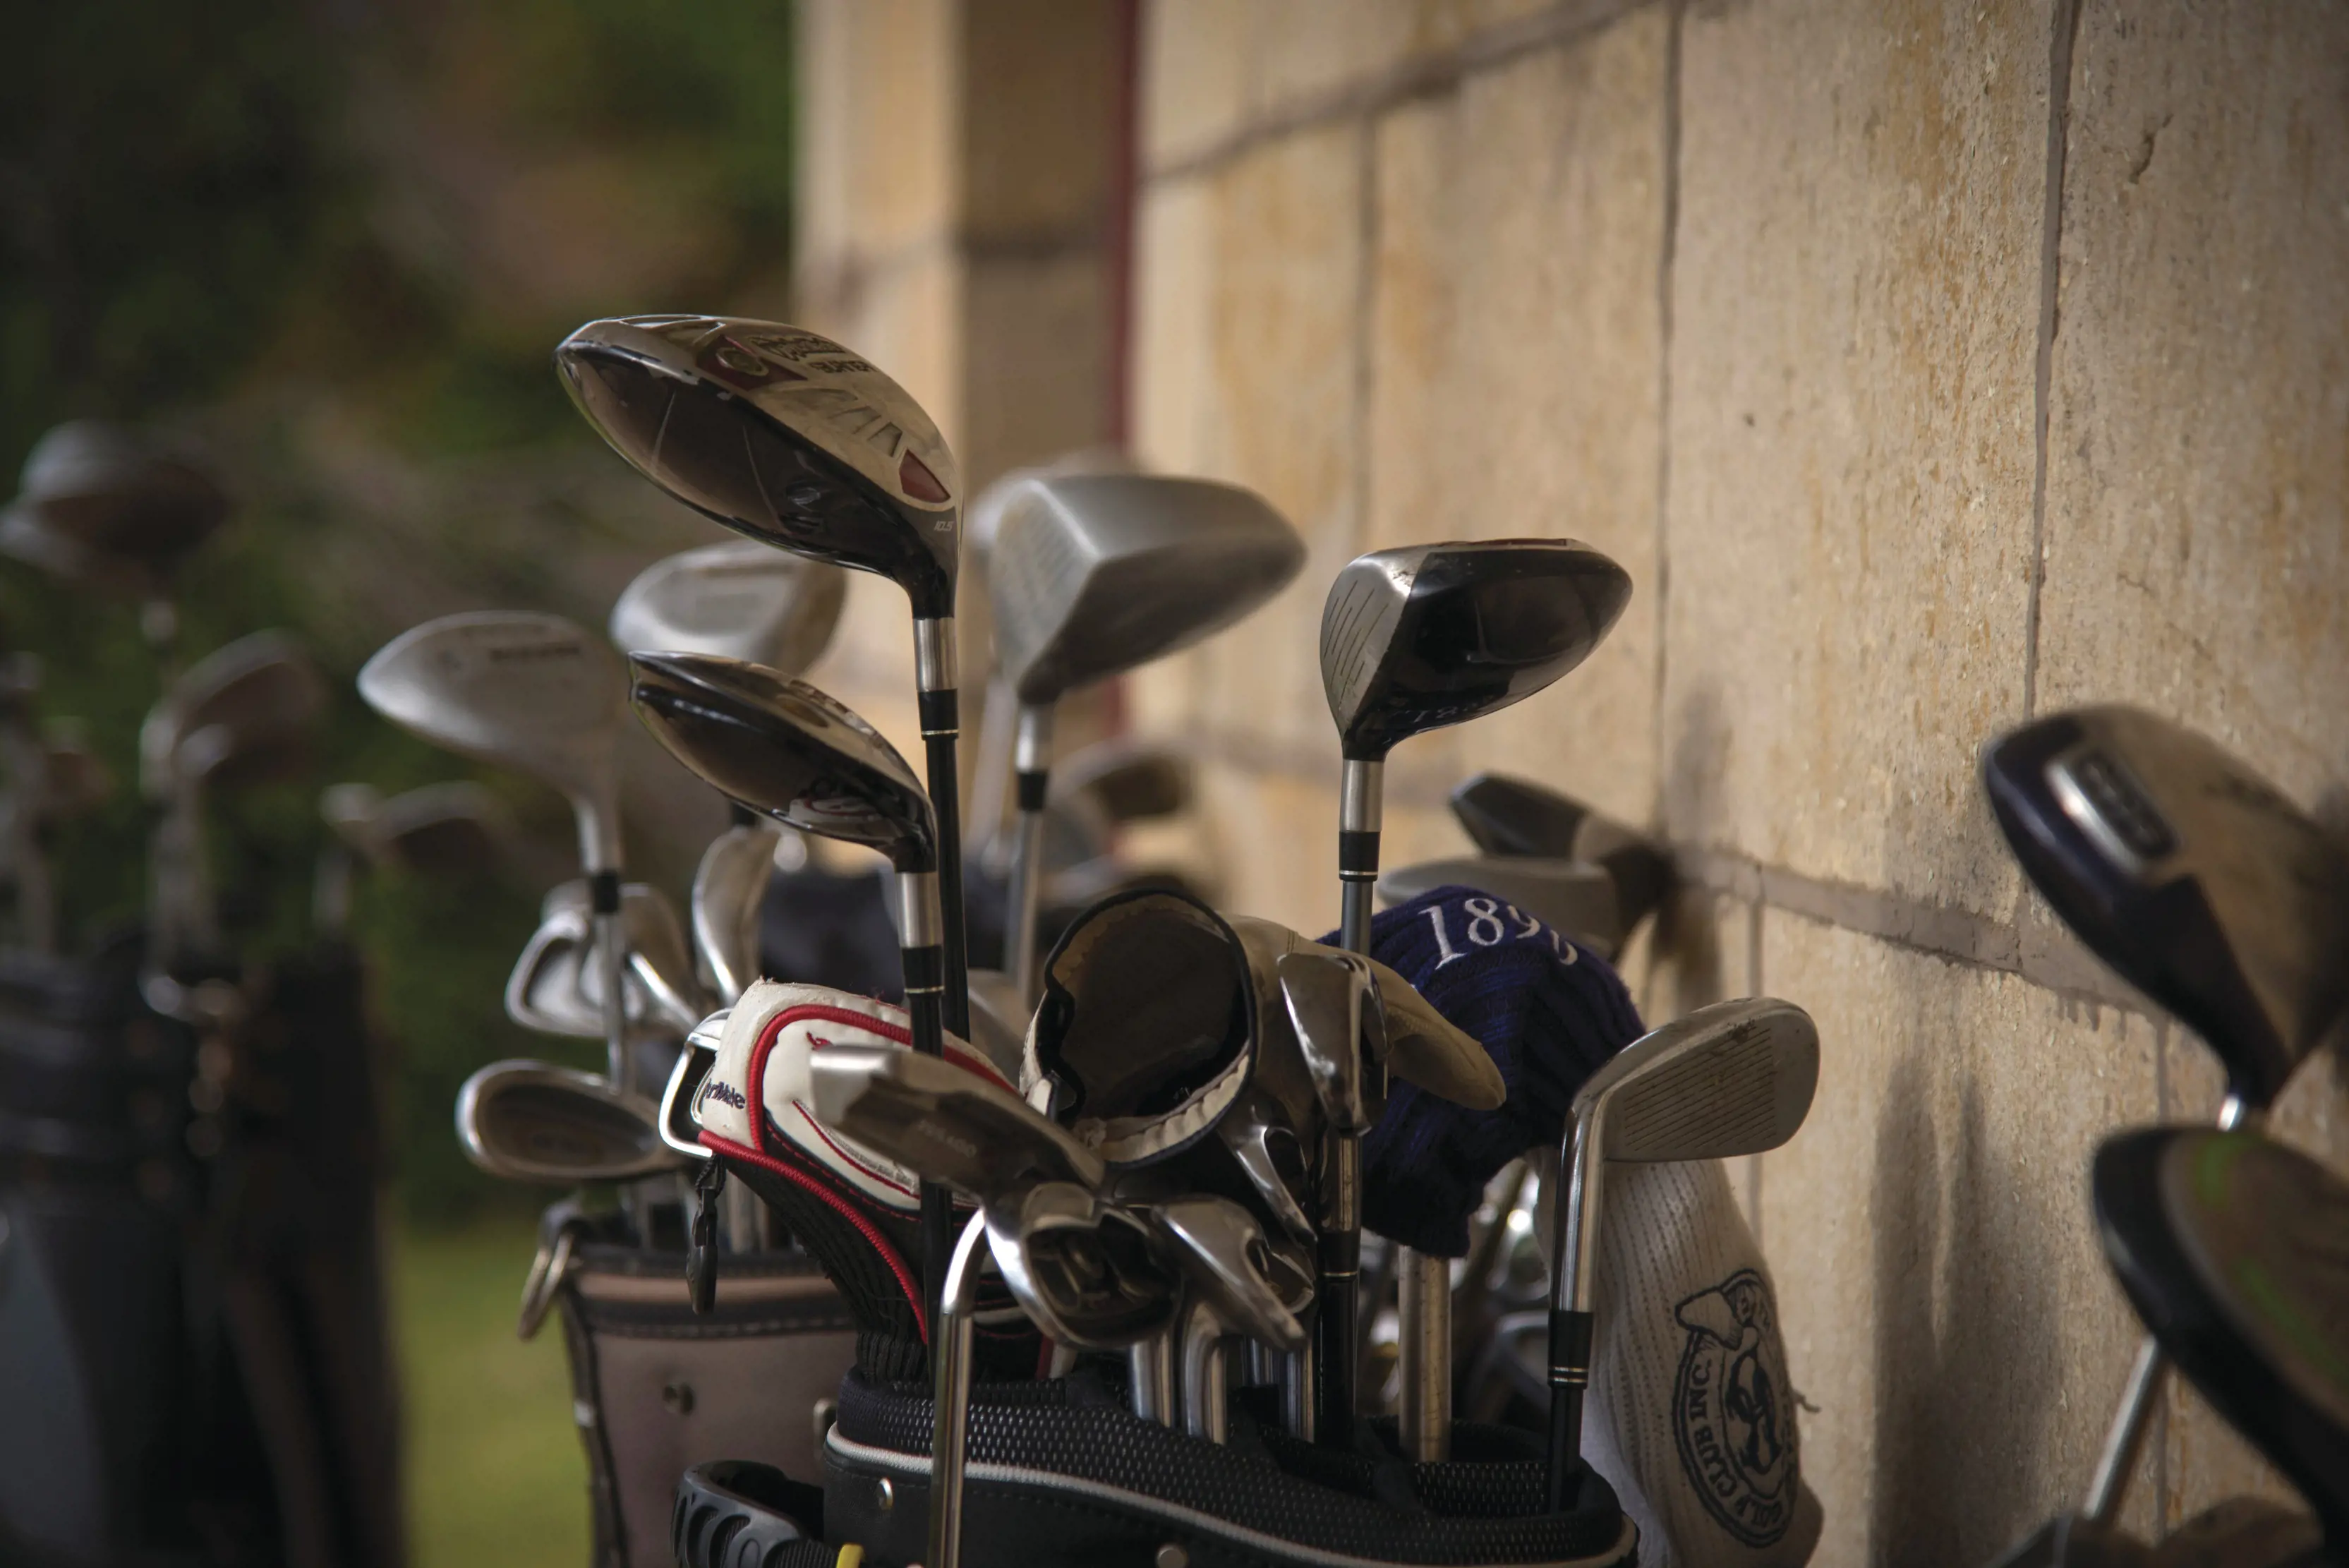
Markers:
<point>1929,366</point>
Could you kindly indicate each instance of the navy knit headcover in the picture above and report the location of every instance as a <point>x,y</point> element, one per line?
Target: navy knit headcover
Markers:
<point>1551,1012</point>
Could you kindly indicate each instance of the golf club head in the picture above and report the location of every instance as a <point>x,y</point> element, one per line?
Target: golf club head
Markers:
<point>1271,1156</point>
<point>1571,895</point>
<point>1093,574</point>
<point>1430,635</point>
<point>1130,780</point>
<point>1513,816</point>
<point>1226,1264</point>
<point>242,714</point>
<point>452,829</point>
<point>112,504</point>
<point>554,987</point>
<point>533,692</point>
<point>728,888</point>
<point>739,600</point>
<point>2198,881</point>
<point>1731,1079</point>
<point>983,519</point>
<point>2234,1251</point>
<point>1336,1012</point>
<point>779,434</point>
<point>686,1076</point>
<point>950,1125</point>
<point>1086,1272</point>
<point>783,749</point>
<point>529,1121</point>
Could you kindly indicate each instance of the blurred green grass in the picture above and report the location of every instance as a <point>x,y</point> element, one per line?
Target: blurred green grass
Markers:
<point>494,1470</point>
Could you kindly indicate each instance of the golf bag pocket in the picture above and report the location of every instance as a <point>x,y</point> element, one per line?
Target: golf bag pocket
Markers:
<point>656,1388</point>
<point>1056,1478</point>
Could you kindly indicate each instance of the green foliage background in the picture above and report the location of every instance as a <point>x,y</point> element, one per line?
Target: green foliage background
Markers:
<point>254,219</point>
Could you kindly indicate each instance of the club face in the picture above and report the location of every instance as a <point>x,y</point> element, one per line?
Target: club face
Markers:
<point>120,493</point>
<point>779,434</point>
<point>783,749</point>
<point>1091,575</point>
<point>533,692</point>
<point>729,886</point>
<point>1569,896</point>
<point>1416,639</point>
<point>948,1124</point>
<point>1088,1274</point>
<point>243,713</point>
<point>741,599</point>
<point>528,1121</point>
<point>1333,1001</point>
<point>2191,876</point>
<point>1731,1079</point>
<point>2231,1248</point>
<point>1225,1260</point>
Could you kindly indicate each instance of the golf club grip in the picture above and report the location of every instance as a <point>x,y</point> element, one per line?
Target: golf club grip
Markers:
<point>1569,1378</point>
<point>939,744</point>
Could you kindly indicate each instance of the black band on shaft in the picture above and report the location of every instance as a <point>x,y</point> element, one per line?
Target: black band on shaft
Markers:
<point>941,713</point>
<point>603,893</point>
<point>1358,855</point>
<point>1032,788</point>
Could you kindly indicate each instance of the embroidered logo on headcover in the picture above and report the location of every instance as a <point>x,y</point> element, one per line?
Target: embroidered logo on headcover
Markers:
<point>1732,1409</point>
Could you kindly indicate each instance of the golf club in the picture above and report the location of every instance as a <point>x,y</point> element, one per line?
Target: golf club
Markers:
<point>1413,639</point>
<point>785,436</point>
<point>780,747</point>
<point>1735,1078</point>
<point>1093,575</point>
<point>728,888</point>
<point>1230,1275</point>
<point>554,988</point>
<point>528,1121</point>
<point>2203,887</point>
<point>537,694</point>
<point>1515,817</point>
<point>1571,896</point>
<point>738,599</point>
<point>455,829</point>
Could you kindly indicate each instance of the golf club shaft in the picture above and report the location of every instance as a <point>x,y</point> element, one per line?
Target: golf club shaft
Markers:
<point>1150,1369</point>
<point>1424,1306</point>
<point>1569,1377</point>
<point>1032,761</point>
<point>1338,1298</point>
<point>940,705</point>
<point>924,964</point>
<point>950,1395</point>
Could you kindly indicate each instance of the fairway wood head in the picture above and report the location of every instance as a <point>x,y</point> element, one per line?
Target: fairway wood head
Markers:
<point>781,748</point>
<point>528,1121</point>
<point>112,504</point>
<point>1226,1264</point>
<point>1334,1007</point>
<point>1571,896</point>
<point>529,691</point>
<point>738,599</point>
<point>728,888</point>
<point>1086,1272</point>
<point>779,434</point>
<point>2194,878</point>
<point>2231,1247</point>
<point>1430,635</point>
<point>243,713</point>
<point>1513,816</point>
<point>1731,1079</point>
<point>953,1126</point>
<point>1093,575</point>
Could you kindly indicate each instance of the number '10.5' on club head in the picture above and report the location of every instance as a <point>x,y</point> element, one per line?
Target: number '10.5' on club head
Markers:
<point>2190,874</point>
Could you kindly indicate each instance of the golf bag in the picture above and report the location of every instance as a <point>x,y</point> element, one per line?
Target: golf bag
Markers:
<point>656,1388</point>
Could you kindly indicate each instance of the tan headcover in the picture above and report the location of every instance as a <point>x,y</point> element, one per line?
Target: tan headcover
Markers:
<point>1424,1047</point>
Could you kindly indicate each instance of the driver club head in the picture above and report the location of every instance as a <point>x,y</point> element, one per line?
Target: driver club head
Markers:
<point>738,599</point>
<point>729,887</point>
<point>1430,635</point>
<point>2195,879</point>
<point>112,506</point>
<point>1088,1272</point>
<point>783,749</point>
<point>529,1121</point>
<point>950,1125</point>
<point>1571,896</point>
<point>243,713</point>
<point>1095,574</point>
<point>2232,1248</point>
<point>779,434</point>
<point>529,691</point>
<point>1516,817</point>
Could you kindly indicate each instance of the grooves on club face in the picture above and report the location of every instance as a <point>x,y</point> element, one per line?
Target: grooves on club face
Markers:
<point>1734,1078</point>
<point>738,599</point>
<point>2231,1248</point>
<point>529,1121</point>
<point>1430,635</point>
<point>1093,574</point>
<point>782,748</point>
<point>2191,876</point>
<point>779,434</point>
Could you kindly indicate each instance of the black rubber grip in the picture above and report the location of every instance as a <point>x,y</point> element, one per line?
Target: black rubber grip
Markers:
<point>941,713</point>
<point>1358,855</point>
<point>1032,787</point>
<point>604,892</point>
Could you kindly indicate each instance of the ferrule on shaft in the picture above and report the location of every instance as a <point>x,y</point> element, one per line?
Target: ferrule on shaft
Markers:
<point>933,655</point>
<point>920,923</point>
